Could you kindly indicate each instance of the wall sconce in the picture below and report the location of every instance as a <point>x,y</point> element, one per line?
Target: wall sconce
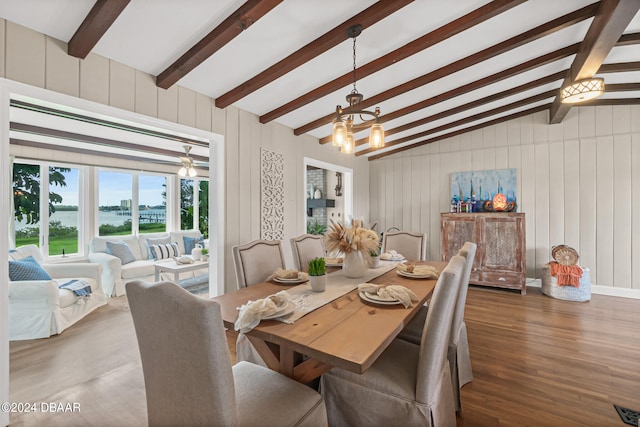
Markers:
<point>339,184</point>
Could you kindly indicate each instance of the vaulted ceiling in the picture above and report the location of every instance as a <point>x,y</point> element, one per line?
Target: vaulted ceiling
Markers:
<point>435,68</point>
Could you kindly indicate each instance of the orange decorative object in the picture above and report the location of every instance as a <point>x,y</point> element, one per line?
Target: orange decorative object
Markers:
<point>499,202</point>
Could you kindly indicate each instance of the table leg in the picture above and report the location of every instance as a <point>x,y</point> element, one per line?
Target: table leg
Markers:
<point>176,277</point>
<point>157,275</point>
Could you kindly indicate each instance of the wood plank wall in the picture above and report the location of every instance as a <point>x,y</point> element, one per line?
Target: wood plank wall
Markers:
<point>30,57</point>
<point>578,183</point>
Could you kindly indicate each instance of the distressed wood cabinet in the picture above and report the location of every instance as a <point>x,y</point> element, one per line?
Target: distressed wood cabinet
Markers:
<point>501,255</point>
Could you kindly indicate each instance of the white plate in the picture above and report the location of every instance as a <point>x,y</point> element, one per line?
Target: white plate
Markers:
<point>287,308</point>
<point>414,276</point>
<point>289,281</point>
<point>375,299</point>
<point>391,258</point>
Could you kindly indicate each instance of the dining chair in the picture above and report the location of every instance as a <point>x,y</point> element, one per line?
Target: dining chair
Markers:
<point>305,248</point>
<point>188,377</point>
<point>255,261</point>
<point>458,352</point>
<point>413,246</point>
<point>408,384</point>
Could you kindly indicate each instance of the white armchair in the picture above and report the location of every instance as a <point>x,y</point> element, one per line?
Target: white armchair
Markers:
<point>39,309</point>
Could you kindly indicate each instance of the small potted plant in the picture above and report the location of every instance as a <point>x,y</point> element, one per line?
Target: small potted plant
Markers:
<point>204,254</point>
<point>374,258</point>
<point>317,274</point>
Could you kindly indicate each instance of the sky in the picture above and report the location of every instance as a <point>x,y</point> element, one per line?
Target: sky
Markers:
<point>116,187</point>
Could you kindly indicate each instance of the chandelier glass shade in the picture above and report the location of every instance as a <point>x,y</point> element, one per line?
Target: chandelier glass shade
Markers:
<point>582,90</point>
<point>187,168</point>
<point>354,118</point>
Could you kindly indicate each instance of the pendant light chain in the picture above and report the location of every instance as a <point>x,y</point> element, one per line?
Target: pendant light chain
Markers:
<point>354,67</point>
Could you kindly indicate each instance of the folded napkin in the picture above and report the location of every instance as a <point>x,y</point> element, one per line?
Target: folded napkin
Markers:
<point>281,273</point>
<point>252,312</point>
<point>420,270</point>
<point>390,292</point>
<point>391,255</point>
<point>338,260</point>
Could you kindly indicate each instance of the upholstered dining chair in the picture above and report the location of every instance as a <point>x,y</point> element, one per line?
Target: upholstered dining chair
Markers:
<point>408,384</point>
<point>413,246</point>
<point>305,248</point>
<point>458,353</point>
<point>189,380</point>
<point>257,260</point>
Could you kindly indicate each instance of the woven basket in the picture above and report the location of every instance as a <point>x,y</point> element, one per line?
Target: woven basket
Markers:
<point>550,286</point>
<point>564,255</point>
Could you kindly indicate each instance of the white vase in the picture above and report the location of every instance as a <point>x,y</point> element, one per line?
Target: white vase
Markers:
<point>354,265</point>
<point>317,194</point>
<point>318,283</point>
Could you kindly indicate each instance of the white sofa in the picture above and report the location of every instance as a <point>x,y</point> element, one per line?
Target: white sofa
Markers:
<point>39,309</point>
<point>115,274</point>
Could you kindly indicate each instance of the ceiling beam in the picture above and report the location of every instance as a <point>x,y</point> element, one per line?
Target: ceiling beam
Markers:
<point>485,81</point>
<point>236,23</point>
<point>622,87</point>
<point>483,115</point>
<point>96,140</point>
<point>462,131</point>
<point>603,34</point>
<point>42,145</point>
<point>619,67</point>
<point>478,57</point>
<point>95,25</point>
<point>378,11</point>
<point>592,103</point>
<point>473,104</point>
<point>629,39</point>
<point>434,37</point>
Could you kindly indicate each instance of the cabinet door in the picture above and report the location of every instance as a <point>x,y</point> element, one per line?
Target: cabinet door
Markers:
<point>502,243</point>
<point>455,232</point>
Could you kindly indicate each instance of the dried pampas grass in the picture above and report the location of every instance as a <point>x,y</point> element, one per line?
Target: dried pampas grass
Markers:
<point>348,239</point>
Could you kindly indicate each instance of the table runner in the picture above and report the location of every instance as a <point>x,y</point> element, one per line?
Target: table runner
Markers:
<point>306,300</point>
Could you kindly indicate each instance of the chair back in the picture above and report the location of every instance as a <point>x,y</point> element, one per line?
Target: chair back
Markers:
<point>413,246</point>
<point>185,358</point>
<point>468,252</point>
<point>255,261</point>
<point>435,335</point>
<point>305,248</point>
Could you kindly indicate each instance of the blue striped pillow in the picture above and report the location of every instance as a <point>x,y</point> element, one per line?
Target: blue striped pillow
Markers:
<point>168,250</point>
<point>26,269</point>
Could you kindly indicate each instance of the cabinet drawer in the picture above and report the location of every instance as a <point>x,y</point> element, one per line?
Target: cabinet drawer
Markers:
<point>503,278</point>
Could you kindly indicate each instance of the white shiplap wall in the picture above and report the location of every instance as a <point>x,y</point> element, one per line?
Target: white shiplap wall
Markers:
<point>578,184</point>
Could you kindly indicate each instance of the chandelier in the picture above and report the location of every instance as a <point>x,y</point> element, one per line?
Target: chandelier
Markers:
<point>582,90</point>
<point>344,123</point>
<point>187,167</point>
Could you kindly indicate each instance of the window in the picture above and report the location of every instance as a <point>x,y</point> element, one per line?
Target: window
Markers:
<point>115,203</point>
<point>49,219</point>
<point>194,205</point>
<point>152,203</point>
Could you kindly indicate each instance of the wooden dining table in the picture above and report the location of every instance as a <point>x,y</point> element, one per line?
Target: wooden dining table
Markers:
<point>347,332</point>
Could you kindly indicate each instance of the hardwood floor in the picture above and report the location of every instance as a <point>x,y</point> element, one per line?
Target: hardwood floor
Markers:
<point>537,361</point>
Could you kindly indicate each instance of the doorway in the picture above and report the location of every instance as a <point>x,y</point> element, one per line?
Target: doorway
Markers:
<point>328,190</point>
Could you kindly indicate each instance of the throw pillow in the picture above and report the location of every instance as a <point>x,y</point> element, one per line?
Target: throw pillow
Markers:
<point>190,243</point>
<point>165,251</point>
<point>158,241</point>
<point>122,251</point>
<point>26,269</point>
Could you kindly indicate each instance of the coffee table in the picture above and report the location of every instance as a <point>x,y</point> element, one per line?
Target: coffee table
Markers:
<point>171,266</point>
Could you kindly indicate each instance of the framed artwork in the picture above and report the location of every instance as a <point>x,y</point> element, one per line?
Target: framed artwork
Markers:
<point>480,187</point>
